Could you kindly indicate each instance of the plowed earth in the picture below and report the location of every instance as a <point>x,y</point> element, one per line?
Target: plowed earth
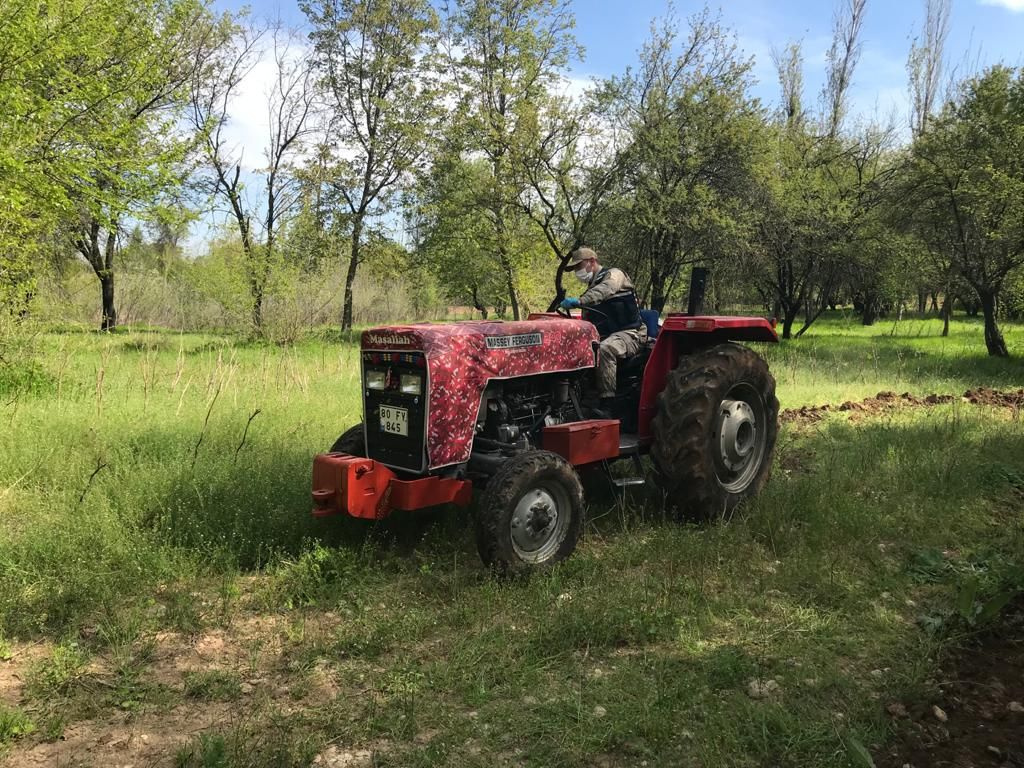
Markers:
<point>980,695</point>
<point>890,401</point>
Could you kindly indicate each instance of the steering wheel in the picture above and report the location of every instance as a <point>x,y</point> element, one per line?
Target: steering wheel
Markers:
<point>563,312</point>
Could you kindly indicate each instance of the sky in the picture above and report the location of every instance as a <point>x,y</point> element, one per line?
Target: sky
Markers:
<point>982,32</point>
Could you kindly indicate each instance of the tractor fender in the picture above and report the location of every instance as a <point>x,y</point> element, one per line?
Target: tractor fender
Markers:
<point>682,334</point>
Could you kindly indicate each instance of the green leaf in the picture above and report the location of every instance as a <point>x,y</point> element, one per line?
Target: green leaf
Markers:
<point>991,607</point>
<point>965,598</point>
<point>858,753</point>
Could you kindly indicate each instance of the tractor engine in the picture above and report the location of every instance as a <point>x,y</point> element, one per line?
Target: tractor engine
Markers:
<point>513,413</point>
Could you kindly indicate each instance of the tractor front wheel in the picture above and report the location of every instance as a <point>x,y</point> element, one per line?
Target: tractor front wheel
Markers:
<point>531,514</point>
<point>715,430</point>
<point>352,442</point>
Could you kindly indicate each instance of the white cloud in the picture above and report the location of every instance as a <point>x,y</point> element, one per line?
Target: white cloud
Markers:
<point>1015,6</point>
<point>573,86</point>
<point>247,131</point>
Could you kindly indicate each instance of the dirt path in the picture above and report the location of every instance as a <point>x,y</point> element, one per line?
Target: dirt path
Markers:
<point>889,401</point>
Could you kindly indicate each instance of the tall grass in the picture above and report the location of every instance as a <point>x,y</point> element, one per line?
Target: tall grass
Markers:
<point>137,458</point>
<point>145,463</point>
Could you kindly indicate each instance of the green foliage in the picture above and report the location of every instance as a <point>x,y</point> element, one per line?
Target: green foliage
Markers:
<point>58,675</point>
<point>966,186</point>
<point>305,580</point>
<point>695,137</point>
<point>14,725</point>
<point>251,744</point>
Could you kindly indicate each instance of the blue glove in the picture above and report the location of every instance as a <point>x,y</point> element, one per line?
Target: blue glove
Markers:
<point>569,303</point>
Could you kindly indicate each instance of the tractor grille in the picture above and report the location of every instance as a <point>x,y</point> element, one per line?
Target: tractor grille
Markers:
<point>394,414</point>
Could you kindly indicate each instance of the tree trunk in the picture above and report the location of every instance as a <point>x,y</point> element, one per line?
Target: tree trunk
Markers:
<point>922,301</point>
<point>479,305</point>
<point>787,321</point>
<point>947,310</point>
<point>108,319</point>
<point>870,311</point>
<point>350,278</point>
<point>257,308</point>
<point>510,281</point>
<point>993,336</point>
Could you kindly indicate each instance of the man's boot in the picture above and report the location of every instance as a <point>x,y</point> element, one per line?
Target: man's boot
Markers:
<point>604,410</point>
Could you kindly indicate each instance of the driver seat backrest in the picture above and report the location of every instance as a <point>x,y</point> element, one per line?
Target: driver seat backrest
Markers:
<point>650,318</point>
<point>634,365</point>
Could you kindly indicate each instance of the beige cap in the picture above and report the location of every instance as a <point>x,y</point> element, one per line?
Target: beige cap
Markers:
<point>580,255</point>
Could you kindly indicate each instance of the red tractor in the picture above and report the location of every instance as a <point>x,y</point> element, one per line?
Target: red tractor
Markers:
<point>497,406</point>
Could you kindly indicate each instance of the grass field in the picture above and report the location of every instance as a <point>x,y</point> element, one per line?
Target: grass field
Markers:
<point>166,599</point>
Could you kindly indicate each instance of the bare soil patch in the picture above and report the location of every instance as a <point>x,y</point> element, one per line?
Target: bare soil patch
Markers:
<point>889,401</point>
<point>976,717</point>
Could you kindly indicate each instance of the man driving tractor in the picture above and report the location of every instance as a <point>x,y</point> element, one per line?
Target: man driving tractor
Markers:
<point>609,302</point>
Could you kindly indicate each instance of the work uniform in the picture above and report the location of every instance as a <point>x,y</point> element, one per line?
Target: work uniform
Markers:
<point>611,295</point>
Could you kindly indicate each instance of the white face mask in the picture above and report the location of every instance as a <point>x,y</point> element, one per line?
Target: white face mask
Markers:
<point>582,274</point>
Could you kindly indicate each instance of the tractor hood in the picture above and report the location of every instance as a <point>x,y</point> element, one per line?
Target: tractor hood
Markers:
<point>463,357</point>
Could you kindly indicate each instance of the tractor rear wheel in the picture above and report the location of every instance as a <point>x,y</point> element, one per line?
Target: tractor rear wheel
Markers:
<point>715,429</point>
<point>531,514</point>
<point>352,442</point>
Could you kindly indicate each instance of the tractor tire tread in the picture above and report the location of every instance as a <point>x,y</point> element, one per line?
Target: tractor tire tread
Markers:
<point>682,425</point>
<point>499,496</point>
<point>352,442</point>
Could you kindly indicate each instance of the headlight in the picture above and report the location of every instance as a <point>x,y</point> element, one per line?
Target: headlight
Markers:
<point>376,380</point>
<point>410,384</point>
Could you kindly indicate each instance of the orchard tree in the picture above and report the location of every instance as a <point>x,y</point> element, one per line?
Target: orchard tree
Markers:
<point>692,139</point>
<point>91,100</point>
<point>505,57</point>
<point>132,146</point>
<point>289,105</point>
<point>373,57</point>
<point>967,182</point>
<point>569,171</point>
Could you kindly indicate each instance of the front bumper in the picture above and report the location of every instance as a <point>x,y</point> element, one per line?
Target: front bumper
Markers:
<point>367,489</point>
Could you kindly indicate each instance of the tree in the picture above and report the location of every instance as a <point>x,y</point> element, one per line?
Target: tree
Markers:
<point>967,185</point>
<point>843,56</point>
<point>455,237</point>
<point>693,140</point>
<point>505,56</point>
<point>925,65</point>
<point>373,56</point>
<point>289,105</point>
<point>132,140</point>
<point>569,170</point>
<point>91,95</point>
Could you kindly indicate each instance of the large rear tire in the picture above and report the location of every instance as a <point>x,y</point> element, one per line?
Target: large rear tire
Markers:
<point>715,430</point>
<point>531,515</point>
<point>352,442</point>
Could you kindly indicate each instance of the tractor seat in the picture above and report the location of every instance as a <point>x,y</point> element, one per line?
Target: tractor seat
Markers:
<point>633,366</point>
<point>650,318</point>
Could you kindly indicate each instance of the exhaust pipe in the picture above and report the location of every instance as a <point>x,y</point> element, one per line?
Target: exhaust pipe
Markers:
<point>698,282</point>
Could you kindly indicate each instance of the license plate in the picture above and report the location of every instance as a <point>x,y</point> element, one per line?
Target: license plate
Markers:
<point>394,421</point>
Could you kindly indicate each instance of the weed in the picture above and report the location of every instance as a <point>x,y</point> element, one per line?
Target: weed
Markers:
<point>14,725</point>
<point>58,675</point>
<point>213,685</point>
<point>183,612</point>
<point>270,742</point>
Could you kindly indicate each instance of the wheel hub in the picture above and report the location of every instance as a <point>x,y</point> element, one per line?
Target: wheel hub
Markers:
<point>738,433</point>
<point>740,438</point>
<point>535,522</point>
